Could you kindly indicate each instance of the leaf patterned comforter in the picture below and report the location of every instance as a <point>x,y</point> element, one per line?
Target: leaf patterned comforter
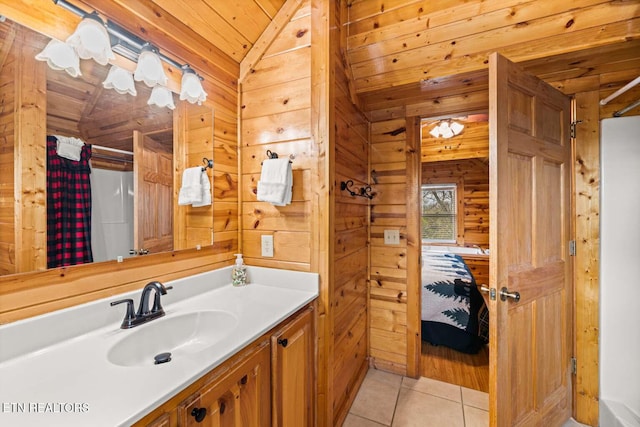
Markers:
<point>453,311</point>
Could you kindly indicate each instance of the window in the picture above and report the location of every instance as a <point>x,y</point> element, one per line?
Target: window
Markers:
<point>439,213</point>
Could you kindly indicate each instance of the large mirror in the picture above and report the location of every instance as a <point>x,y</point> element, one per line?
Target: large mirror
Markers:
<point>131,165</point>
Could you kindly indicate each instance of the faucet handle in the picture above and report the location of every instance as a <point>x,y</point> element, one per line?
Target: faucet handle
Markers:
<point>130,315</point>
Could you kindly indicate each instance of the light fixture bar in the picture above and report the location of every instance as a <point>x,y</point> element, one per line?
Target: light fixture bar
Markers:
<point>118,32</point>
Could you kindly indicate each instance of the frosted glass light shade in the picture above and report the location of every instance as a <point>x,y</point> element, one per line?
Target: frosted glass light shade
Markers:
<point>191,89</point>
<point>456,127</point>
<point>91,41</point>
<point>60,56</point>
<point>120,80</point>
<point>149,69</point>
<point>445,130</point>
<point>161,97</point>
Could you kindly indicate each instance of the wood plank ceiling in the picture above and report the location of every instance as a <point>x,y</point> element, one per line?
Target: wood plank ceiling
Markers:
<point>401,51</point>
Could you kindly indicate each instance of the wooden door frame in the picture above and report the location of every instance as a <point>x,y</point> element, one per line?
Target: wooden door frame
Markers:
<point>585,182</point>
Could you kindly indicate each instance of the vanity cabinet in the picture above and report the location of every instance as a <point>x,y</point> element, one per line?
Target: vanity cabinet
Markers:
<point>239,398</point>
<point>270,382</point>
<point>292,373</point>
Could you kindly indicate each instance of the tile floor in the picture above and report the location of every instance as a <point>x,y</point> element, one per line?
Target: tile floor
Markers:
<point>386,399</point>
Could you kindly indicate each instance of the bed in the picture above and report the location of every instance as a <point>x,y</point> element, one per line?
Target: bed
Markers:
<point>453,311</point>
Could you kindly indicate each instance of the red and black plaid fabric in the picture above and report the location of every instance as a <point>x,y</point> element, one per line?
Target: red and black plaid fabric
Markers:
<point>68,208</point>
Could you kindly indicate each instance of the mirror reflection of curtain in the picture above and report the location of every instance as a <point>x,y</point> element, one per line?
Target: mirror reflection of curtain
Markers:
<point>68,208</point>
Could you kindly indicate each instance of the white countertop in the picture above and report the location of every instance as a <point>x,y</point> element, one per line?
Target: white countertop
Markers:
<point>54,369</point>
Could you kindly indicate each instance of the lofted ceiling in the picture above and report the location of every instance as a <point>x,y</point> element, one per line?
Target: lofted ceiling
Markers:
<point>403,51</point>
<point>400,52</point>
<point>233,26</point>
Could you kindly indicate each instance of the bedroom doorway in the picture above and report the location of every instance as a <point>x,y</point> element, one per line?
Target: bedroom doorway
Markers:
<point>454,213</point>
<point>531,334</point>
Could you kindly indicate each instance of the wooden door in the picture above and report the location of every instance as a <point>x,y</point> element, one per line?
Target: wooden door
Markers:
<point>530,339</point>
<point>292,373</point>
<point>153,187</point>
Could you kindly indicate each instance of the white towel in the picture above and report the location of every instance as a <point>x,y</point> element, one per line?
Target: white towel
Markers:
<point>276,180</point>
<point>69,147</point>
<point>205,188</point>
<point>191,189</point>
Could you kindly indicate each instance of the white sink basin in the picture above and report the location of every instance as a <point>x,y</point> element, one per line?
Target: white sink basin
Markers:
<point>178,334</point>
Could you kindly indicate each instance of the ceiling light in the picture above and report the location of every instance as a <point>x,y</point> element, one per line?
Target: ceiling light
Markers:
<point>149,68</point>
<point>91,41</point>
<point>60,56</point>
<point>191,89</point>
<point>120,80</point>
<point>161,97</point>
<point>446,129</point>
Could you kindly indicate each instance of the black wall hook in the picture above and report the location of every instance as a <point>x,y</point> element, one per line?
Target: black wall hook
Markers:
<point>208,163</point>
<point>274,155</point>
<point>363,192</point>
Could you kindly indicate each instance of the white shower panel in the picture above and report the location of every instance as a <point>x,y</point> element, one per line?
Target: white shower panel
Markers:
<point>620,271</point>
<point>112,214</point>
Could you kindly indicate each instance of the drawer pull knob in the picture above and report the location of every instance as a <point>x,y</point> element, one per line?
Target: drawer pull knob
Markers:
<point>283,342</point>
<point>199,414</point>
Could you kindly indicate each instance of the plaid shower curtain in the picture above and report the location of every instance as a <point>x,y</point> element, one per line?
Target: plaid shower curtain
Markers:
<point>68,208</point>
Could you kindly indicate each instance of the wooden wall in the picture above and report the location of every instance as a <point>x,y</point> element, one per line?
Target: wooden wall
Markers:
<point>7,127</point>
<point>210,135</point>
<point>23,234</point>
<point>473,174</point>
<point>276,114</point>
<point>350,258</point>
<point>388,286</point>
<point>35,293</point>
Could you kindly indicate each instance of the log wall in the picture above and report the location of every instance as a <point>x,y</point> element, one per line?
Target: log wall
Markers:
<point>388,286</point>
<point>280,112</point>
<point>7,180</point>
<point>350,225</point>
<point>275,111</point>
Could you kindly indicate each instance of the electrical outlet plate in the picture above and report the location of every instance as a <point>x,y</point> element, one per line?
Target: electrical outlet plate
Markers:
<point>267,245</point>
<point>391,237</point>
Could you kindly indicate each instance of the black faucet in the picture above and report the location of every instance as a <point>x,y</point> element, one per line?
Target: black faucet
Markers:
<point>144,315</point>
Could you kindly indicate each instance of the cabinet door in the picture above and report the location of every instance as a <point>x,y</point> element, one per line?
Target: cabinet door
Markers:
<point>241,398</point>
<point>163,420</point>
<point>292,372</point>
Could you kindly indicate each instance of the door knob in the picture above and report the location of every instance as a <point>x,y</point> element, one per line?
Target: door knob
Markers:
<point>504,294</point>
<point>484,288</point>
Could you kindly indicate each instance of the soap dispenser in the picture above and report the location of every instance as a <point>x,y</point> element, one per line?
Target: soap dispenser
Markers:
<point>239,272</point>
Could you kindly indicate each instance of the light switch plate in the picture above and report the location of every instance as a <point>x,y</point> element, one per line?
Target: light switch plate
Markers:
<point>391,237</point>
<point>267,245</point>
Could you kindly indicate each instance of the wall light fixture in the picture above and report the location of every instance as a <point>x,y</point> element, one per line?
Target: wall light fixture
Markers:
<point>91,41</point>
<point>97,40</point>
<point>60,56</point>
